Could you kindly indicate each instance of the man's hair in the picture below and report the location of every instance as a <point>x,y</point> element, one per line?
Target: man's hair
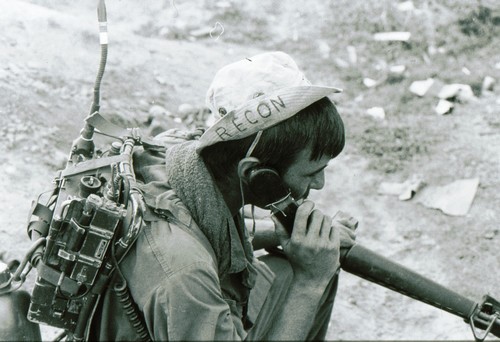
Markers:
<point>318,126</point>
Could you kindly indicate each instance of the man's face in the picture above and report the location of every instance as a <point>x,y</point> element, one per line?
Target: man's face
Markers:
<point>305,174</point>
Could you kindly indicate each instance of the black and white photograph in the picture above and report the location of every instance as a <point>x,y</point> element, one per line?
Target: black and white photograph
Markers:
<point>229,170</point>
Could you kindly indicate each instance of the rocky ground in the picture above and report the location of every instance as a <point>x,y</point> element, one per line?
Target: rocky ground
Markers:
<point>162,56</point>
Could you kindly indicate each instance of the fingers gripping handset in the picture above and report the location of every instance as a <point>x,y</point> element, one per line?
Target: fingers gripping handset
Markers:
<point>310,239</point>
<point>313,248</point>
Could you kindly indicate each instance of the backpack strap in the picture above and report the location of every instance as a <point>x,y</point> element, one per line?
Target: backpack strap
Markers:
<point>105,127</point>
<point>44,214</point>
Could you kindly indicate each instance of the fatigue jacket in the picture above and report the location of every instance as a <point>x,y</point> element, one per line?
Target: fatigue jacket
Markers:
<point>173,278</point>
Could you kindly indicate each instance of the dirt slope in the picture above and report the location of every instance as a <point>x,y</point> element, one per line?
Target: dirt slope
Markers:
<point>49,58</point>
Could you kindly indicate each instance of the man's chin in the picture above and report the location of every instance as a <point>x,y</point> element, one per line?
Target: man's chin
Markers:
<point>301,198</point>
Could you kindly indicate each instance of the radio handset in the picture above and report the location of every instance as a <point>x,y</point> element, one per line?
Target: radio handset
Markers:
<point>271,193</point>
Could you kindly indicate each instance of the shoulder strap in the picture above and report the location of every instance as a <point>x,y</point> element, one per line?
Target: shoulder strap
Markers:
<point>105,127</point>
<point>161,141</point>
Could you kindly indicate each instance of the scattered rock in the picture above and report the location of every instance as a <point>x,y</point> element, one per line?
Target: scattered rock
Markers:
<point>490,235</point>
<point>369,82</point>
<point>160,80</point>
<point>488,84</point>
<point>376,112</point>
<point>444,107</point>
<point>432,50</point>
<point>164,32</point>
<point>43,104</point>
<point>353,56</point>
<point>420,88</point>
<point>405,190</point>
<point>390,188</point>
<point>397,69</point>
<point>412,186</point>
<point>460,92</point>
<point>447,93</point>
<point>201,32</point>
<point>392,36</point>
<point>453,199</point>
<point>324,49</point>
<point>10,170</point>
<point>223,4</point>
<point>406,6</point>
<point>341,63</point>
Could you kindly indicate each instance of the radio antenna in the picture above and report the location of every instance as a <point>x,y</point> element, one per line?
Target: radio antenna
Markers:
<point>83,147</point>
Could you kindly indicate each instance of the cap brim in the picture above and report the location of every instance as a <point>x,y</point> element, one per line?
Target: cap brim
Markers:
<point>263,112</point>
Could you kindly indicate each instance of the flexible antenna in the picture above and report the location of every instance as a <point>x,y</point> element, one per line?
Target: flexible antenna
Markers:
<point>83,147</point>
<point>103,40</point>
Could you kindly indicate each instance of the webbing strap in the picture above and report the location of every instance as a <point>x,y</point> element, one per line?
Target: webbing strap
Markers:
<point>105,127</point>
<point>40,210</point>
<point>44,214</point>
<point>92,164</point>
<point>47,273</point>
<point>97,121</point>
<point>41,227</point>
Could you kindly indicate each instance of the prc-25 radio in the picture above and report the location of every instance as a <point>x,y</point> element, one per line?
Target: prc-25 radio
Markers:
<point>86,226</point>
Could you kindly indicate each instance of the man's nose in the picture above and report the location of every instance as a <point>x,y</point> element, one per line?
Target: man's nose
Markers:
<point>318,181</point>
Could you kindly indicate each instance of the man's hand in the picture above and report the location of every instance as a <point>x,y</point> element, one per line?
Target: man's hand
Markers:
<point>347,226</point>
<point>314,246</point>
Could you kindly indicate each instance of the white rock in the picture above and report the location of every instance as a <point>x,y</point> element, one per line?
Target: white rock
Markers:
<point>223,4</point>
<point>405,190</point>
<point>488,84</point>
<point>392,36</point>
<point>453,199</point>
<point>353,56</point>
<point>376,112</point>
<point>341,63</point>
<point>420,88</point>
<point>201,32</point>
<point>369,82</point>
<point>324,49</point>
<point>462,92</point>
<point>397,69</point>
<point>444,107</point>
<point>160,80</point>
<point>406,6</point>
<point>10,170</point>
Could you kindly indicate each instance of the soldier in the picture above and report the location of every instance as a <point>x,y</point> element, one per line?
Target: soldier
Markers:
<point>192,272</point>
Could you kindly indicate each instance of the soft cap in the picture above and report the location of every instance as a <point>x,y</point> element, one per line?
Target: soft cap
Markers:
<point>256,93</point>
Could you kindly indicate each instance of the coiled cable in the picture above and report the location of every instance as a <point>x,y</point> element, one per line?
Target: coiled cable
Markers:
<point>124,297</point>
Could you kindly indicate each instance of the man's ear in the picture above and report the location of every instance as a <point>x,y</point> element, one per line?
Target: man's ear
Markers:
<point>245,166</point>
